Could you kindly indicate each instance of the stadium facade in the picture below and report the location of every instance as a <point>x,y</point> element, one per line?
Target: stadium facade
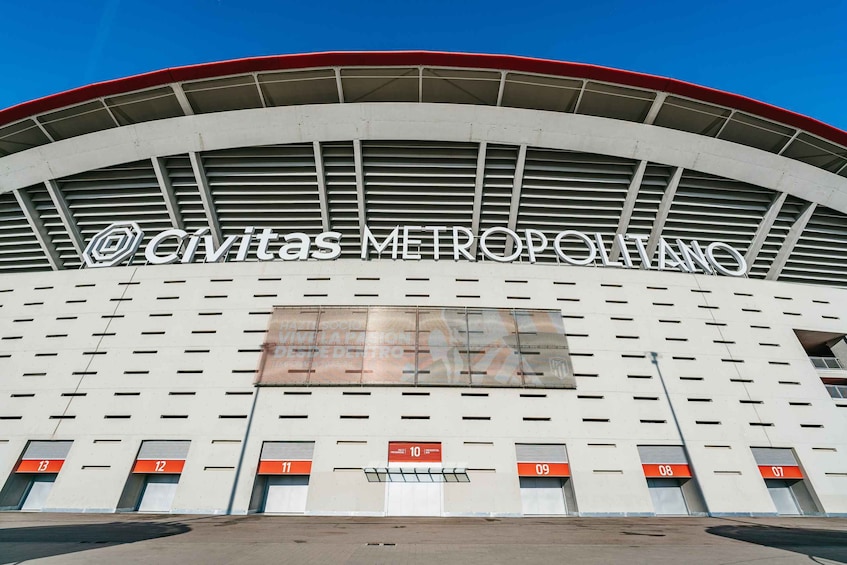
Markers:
<point>418,283</point>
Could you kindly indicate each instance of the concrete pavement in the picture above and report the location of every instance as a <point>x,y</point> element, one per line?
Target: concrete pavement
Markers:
<point>161,540</point>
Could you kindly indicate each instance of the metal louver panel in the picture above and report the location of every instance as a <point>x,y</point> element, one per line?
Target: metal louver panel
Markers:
<point>47,450</point>
<point>123,193</point>
<point>541,452</point>
<point>662,455</point>
<point>774,456</point>
<point>418,184</point>
<point>497,185</point>
<point>288,450</point>
<point>19,248</point>
<point>820,255</point>
<point>342,202</point>
<point>265,187</point>
<point>788,214</point>
<point>188,201</point>
<point>707,208</point>
<point>46,210</point>
<point>564,190</point>
<point>164,449</point>
<point>650,193</point>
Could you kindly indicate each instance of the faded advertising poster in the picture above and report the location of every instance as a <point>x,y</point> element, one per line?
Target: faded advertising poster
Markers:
<point>416,346</point>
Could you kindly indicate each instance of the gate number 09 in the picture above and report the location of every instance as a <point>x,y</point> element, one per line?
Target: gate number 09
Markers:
<point>542,469</point>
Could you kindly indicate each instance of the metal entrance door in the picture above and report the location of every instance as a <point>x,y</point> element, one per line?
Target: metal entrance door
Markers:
<point>414,499</point>
<point>38,492</point>
<point>286,494</point>
<point>667,496</point>
<point>158,493</point>
<point>783,498</point>
<point>542,495</point>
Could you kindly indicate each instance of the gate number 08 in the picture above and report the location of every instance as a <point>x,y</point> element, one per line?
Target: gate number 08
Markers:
<point>666,470</point>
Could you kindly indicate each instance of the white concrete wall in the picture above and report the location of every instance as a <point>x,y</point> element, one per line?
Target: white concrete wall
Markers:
<point>437,122</point>
<point>609,313</point>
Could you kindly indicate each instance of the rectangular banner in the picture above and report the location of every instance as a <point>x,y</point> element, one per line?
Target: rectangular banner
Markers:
<point>780,472</point>
<point>409,452</point>
<point>40,466</point>
<point>670,471</point>
<point>163,466</point>
<point>270,467</point>
<point>415,346</point>
<point>544,470</point>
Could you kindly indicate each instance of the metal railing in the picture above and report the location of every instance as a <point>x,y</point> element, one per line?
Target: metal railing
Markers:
<point>826,362</point>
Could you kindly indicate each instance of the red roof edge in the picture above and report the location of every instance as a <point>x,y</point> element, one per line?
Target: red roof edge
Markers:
<point>425,58</point>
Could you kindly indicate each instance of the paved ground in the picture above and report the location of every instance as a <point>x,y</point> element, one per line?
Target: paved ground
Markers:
<point>162,540</point>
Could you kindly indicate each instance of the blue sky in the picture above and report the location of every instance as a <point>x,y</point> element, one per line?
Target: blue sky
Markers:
<point>791,54</point>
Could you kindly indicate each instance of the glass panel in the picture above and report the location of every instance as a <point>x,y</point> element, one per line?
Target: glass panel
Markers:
<point>286,364</point>
<point>443,366</point>
<point>293,326</point>
<point>337,364</point>
<point>547,368</point>
<point>388,364</point>
<point>540,329</point>
<point>342,326</point>
<point>442,327</point>
<point>491,328</point>
<point>495,366</point>
<point>391,327</point>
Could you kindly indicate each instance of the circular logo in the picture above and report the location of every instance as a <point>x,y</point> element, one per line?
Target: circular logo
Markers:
<point>113,245</point>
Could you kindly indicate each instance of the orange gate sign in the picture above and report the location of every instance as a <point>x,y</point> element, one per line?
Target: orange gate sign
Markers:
<point>410,452</point>
<point>544,470</point>
<point>159,466</point>
<point>780,472</point>
<point>666,471</point>
<point>40,466</point>
<point>277,467</point>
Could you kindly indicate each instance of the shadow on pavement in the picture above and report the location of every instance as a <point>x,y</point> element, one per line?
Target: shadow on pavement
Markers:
<point>20,544</point>
<point>826,544</point>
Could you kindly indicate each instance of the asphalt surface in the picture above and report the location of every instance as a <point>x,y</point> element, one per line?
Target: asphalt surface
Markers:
<point>162,540</point>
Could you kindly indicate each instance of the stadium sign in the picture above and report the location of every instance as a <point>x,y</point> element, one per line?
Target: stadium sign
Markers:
<point>120,242</point>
